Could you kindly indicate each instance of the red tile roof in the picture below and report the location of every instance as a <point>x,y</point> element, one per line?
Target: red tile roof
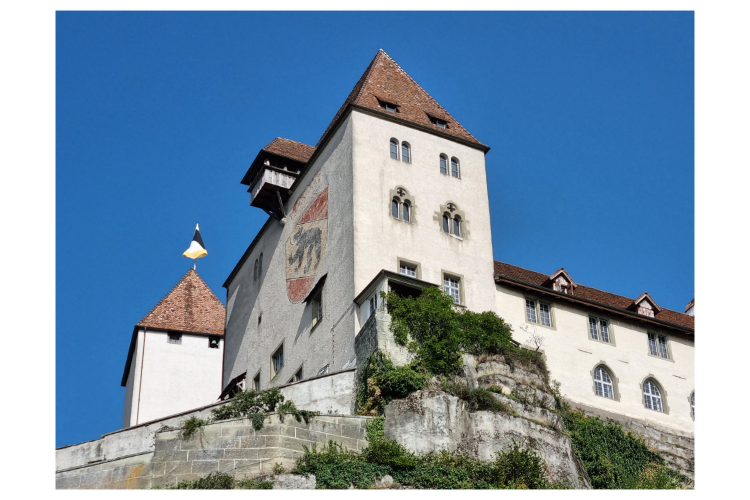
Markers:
<point>190,306</point>
<point>384,81</point>
<point>593,294</point>
<point>291,149</point>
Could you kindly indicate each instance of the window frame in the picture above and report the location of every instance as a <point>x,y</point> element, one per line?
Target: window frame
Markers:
<point>662,392</point>
<point>297,375</point>
<point>316,309</point>
<point>275,371</point>
<point>457,170</point>
<point>394,142</point>
<point>406,208</point>
<point>256,381</point>
<point>538,312</point>
<point>461,286</point>
<point>174,338</point>
<point>615,380</point>
<point>610,331</point>
<point>405,146</point>
<point>599,381</point>
<point>396,204</point>
<point>667,342</point>
<point>691,402</point>
<point>444,158</point>
<point>410,263</point>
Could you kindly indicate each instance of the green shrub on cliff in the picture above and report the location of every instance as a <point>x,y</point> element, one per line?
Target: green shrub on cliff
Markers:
<point>382,381</point>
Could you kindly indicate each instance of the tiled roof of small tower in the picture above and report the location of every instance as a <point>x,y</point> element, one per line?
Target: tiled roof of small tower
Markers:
<point>190,306</point>
<point>291,149</point>
<point>585,292</point>
<point>384,80</point>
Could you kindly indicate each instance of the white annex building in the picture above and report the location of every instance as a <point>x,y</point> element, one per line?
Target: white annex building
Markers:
<point>394,196</point>
<point>175,355</point>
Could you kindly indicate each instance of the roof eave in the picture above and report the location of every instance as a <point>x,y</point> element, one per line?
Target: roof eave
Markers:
<point>575,298</point>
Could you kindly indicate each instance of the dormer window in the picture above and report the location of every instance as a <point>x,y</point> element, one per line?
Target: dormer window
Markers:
<point>389,106</point>
<point>645,306</point>
<point>438,122</point>
<point>561,282</point>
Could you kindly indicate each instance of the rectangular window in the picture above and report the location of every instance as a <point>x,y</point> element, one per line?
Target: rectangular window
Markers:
<point>390,107</point>
<point>256,382</point>
<point>373,304</point>
<point>663,347</point>
<point>592,329</point>
<point>452,288</point>
<point>174,338</point>
<point>408,270</point>
<point>531,311</point>
<point>544,314</point>
<point>297,376</point>
<point>605,330</point>
<point>277,361</point>
<point>599,329</point>
<point>316,305</point>
<point>652,344</point>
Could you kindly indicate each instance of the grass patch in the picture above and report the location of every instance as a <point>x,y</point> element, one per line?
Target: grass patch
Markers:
<point>192,426</point>
<point>481,399</point>
<point>255,405</point>
<point>218,481</point>
<point>382,381</point>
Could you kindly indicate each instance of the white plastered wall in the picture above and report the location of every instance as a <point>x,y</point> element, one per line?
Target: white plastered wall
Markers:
<point>251,343</point>
<point>379,239</point>
<point>174,377</point>
<point>572,356</point>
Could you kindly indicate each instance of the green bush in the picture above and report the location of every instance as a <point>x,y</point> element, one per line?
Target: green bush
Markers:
<point>193,425</point>
<point>213,481</point>
<point>256,404</point>
<point>438,335</point>
<point>382,381</point>
<point>616,459</point>
<point>337,468</point>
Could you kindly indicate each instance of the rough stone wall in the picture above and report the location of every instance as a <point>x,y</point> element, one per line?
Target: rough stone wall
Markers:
<point>333,392</point>
<point>231,446</point>
<point>430,420</point>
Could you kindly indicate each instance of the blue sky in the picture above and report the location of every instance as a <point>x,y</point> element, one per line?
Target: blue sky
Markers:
<point>589,116</point>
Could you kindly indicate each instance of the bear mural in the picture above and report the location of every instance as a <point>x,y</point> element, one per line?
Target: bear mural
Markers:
<point>305,249</point>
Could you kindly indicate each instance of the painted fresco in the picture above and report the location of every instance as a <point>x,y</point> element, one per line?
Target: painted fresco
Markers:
<point>305,249</point>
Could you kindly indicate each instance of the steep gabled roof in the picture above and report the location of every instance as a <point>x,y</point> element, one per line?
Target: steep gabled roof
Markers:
<point>385,82</point>
<point>591,294</point>
<point>190,306</point>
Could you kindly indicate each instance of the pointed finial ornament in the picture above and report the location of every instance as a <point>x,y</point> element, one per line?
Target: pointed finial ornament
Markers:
<point>196,250</point>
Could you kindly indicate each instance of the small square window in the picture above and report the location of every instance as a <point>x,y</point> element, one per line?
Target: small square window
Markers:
<point>297,376</point>
<point>408,270</point>
<point>391,107</point>
<point>213,342</point>
<point>277,361</point>
<point>174,338</point>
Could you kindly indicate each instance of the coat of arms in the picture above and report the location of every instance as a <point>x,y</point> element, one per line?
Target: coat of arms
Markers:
<point>305,249</point>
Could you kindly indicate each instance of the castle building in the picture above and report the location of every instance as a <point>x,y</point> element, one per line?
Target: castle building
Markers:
<point>394,197</point>
<point>175,355</point>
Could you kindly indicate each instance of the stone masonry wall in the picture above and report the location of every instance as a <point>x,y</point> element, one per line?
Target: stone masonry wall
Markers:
<point>231,446</point>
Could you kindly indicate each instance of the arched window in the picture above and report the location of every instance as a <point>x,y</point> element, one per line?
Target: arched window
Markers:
<point>405,152</point>
<point>394,149</point>
<point>255,270</point>
<point>394,207</point>
<point>652,396</point>
<point>446,227</point>
<point>603,383</point>
<point>692,404</point>
<point>407,211</point>
<point>260,265</point>
<point>457,225</point>
<point>443,164</point>
<point>454,167</point>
